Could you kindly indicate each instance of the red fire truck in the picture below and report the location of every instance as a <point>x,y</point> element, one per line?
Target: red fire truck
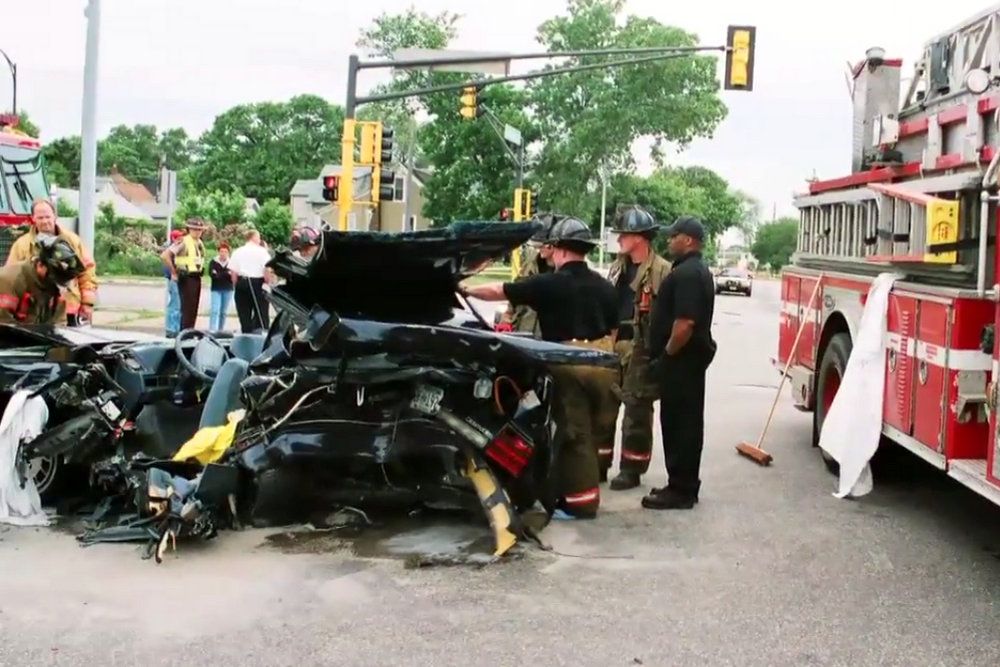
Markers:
<point>22,179</point>
<point>920,202</point>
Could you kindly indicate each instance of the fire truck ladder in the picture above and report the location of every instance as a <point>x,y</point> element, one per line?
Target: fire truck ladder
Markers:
<point>881,223</point>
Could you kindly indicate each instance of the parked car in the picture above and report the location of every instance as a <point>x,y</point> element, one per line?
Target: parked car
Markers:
<point>376,384</point>
<point>739,281</point>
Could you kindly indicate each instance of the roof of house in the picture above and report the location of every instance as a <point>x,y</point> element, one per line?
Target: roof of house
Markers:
<point>134,192</point>
<point>122,206</point>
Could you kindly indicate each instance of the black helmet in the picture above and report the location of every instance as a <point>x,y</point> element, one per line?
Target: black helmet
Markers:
<point>59,257</point>
<point>634,220</point>
<point>546,220</point>
<point>572,234</point>
<point>303,237</point>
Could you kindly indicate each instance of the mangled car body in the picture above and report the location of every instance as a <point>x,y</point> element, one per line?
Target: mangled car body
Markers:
<point>376,384</point>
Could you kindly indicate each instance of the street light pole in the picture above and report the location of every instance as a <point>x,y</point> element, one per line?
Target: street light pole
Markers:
<point>88,158</point>
<point>13,75</point>
<point>604,203</point>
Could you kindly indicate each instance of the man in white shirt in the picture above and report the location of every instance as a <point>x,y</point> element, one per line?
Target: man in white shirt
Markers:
<point>248,266</point>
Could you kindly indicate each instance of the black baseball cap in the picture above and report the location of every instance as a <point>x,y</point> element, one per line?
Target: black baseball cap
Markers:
<point>687,224</point>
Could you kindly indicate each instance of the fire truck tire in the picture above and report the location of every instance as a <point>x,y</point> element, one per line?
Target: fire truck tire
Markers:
<point>831,373</point>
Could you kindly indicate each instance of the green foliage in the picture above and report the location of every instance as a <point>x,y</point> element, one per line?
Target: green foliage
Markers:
<point>261,149</point>
<point>65,210</point>
<point>274,222</point>
<point>592,118</point>
<point>776,242</point>
<point>217,206</point>
<point>62,161</point>
<point>126,247</point>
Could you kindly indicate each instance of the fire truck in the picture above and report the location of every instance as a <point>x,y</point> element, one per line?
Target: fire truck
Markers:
<point>920,201</point>
<point>22,179</point>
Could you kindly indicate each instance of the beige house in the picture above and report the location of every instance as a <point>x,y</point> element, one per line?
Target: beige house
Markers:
<point>309,207</point>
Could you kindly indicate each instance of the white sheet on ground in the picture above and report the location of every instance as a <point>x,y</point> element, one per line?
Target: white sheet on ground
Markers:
<point>853,426</point>
<point>23,420</point>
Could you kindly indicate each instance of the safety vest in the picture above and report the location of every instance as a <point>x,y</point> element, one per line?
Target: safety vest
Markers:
<point>191,258</point>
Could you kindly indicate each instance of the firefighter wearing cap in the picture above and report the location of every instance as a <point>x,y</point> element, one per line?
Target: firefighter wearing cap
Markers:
<point>637,274</point>
<point>680,341</point>
<point>534,260</point>
<point>575,306</point>
<point>30,291</point>
<point>185,260</point>
<point>82,293</point>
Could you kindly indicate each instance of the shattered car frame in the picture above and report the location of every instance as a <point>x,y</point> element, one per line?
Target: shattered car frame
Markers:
<point>377,384</point>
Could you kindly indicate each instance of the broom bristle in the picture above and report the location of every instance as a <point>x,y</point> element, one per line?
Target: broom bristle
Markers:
<point>754,453</point>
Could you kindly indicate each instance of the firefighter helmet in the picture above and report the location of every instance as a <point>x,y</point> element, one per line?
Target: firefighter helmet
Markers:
<point>572,234</point>
<point>59,258</point>
<point>303,237</point>
<point>547,220</point>
<point>633,220</point>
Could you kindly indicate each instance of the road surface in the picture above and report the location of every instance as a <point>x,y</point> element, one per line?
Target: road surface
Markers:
<point>769,569</point>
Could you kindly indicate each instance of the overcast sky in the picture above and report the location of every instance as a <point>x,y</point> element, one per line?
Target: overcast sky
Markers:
<point>182,62</point>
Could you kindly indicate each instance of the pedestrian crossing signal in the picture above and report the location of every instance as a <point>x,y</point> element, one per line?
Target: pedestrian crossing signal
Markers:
<point>740,44</point>
<point>331,188</point>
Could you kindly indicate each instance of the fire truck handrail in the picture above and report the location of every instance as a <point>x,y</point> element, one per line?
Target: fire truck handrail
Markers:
<point>903,193</point>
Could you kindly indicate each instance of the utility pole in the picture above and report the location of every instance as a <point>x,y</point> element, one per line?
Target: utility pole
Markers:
<point>88,158</point>
<point>13,78</point>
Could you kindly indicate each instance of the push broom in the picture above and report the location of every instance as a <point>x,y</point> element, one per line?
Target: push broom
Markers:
<point>755,452</point>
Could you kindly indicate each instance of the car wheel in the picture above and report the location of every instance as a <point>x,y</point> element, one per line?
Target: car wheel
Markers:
<point>831,374</point>
<point>46,472</point>
<point>749,291</point>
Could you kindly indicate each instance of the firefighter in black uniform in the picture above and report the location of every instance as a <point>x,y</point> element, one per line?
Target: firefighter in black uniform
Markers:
<point>575,306</point>
<point>680,339</point>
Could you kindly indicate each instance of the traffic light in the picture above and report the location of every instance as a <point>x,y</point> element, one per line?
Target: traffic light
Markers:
<point>740,44</point>
<point>369,137</point>
<point>331,188</point>
<point>386,145</point>
<point>522,204</point>
<point>383,182</point>
<point>471,108</point>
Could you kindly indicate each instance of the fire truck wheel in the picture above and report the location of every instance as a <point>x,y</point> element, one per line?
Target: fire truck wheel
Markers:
<point>831,373</point>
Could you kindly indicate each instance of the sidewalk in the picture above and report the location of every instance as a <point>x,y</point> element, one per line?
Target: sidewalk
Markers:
<point>146,322</point>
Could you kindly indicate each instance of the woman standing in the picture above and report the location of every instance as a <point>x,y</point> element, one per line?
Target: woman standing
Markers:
<point>222,289</point>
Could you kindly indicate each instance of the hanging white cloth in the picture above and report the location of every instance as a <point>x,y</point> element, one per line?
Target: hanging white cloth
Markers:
<point>853,426</point>
<point>23,420</point>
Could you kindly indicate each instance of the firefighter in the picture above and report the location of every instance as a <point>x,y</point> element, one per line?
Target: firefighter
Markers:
<point>82,294</point>
<point>637,274</point>
<point>30,290</point>
<point>576,306</point>
<point>186,261</point>
<point>680,340</point>
<point>534,260</point>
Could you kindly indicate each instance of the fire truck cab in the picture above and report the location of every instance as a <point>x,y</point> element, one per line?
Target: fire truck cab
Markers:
<point>921,202</point>
<point>22,179</point>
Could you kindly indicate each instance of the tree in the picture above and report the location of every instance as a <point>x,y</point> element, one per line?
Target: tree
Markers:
<point>776,242</point>
<point>274,222</point>
<point>218,207</point>
<point>62,161</point>
<point>261,149</point>
<point>176,148</point>
<point>473,176</point>
<point>592,118</point>
<point>133,151</point>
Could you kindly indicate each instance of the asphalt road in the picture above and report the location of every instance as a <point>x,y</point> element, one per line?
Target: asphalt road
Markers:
<point>769,569</point>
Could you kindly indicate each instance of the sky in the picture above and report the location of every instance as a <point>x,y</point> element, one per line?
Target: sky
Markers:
<point>182,62</point>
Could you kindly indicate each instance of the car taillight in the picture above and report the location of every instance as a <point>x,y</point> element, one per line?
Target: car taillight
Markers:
<point>510,451</point>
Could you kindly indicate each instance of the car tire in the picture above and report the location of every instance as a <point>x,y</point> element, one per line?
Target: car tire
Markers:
<point>749,292</point>
<point>831,374</point>
<point>46,471</point>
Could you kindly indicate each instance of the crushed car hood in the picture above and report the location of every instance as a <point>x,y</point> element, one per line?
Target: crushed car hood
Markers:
<point>27,335</point>
<point>411,276</point>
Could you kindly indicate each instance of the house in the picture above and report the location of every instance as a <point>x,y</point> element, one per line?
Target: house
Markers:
<point>309,208</point>
<point>106,194</point>
<point>134,193</point>
<point>737,256</point>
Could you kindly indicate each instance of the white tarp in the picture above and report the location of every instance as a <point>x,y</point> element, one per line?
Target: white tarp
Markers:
<point>853,426</point>
<point>23,420</point>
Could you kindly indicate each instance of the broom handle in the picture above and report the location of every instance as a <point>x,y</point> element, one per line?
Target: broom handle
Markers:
<point>788,363</point>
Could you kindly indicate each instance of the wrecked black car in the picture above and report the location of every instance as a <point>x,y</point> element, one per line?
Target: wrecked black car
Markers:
<point>377,384</point>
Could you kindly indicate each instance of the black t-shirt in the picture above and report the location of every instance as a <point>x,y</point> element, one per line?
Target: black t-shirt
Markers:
<point>687,293</point>
<point>573,302</point>
<point>626,295</point>
<point>222,280</point>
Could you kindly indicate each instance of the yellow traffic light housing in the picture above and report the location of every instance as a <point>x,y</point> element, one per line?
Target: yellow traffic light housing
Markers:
<point>522,204</point>
<point>740,44</point>
<point>471,109</point>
